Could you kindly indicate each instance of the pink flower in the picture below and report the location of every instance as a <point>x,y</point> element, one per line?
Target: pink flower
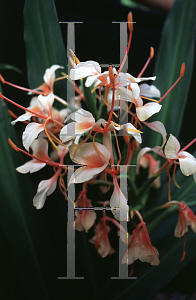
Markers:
<point>186,217</point>
<point>85,218</point>
<point>101,239</point>
<point>141,248</point>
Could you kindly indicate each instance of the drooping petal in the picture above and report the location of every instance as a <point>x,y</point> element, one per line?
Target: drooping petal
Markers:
<point>141,248</point>
<point>149,91</point>
<point>45,188</point>
<point>172,147</point>
<point>31,166</point>
<point>30,134</point>
<point>187,163</point>
<point>146,111</point>
<point>159,127</point>
<point>101,240</point>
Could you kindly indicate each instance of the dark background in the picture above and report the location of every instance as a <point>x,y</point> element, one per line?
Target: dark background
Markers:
<point>102,46</point>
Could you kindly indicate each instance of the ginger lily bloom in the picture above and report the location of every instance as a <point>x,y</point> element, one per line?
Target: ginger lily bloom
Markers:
<point>186,160</point>
<point>84,122</point>
<point>186,218</point>
<point>93,156</point>
<point>101,239</point>
<point>140,247</point>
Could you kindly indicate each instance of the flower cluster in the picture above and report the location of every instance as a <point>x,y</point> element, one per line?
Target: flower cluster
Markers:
<point>92,142</point>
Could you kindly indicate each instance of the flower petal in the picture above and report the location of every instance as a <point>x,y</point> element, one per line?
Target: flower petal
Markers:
<point>31,166</point>
<point>46,101</point>
<point>85,69</point>
<point>118,204</point>
<point>187,163</point>
<point>30,134</point>
<point>172,147</point>
<point>149,91</point>
<point>45,188</point>
<point>49,75</point>
<point>131,130</point>
<point>146,111</point>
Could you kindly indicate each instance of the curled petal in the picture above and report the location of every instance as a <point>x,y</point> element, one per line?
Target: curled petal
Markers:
<point>45,188</point>
<point>146,111</point>
<point>30,134</point>
<point>49,75</point>
<point>172,147</point>
<point>187,163</point>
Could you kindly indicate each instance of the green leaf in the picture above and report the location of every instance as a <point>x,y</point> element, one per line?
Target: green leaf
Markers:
<point>20,221</point>
<point>177,46</point>
<point>44,43</point>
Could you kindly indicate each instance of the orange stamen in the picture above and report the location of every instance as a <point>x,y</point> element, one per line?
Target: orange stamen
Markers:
<point>130,25</point>
<point>171,88</point>
<point>48,135</point>
<point>147,63</point>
